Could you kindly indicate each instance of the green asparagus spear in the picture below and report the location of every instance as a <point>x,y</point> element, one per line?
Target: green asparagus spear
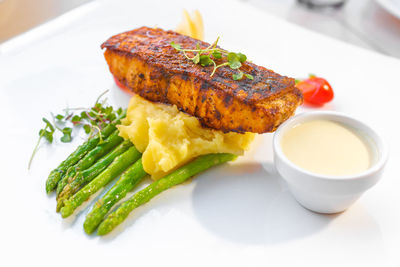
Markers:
<point>116,168</point>
<point>200,164</point>
<point>66,179</point>
<point>79,153</point>
<point>89,174</point>
<point>100,150</point>
<point>126,183</point>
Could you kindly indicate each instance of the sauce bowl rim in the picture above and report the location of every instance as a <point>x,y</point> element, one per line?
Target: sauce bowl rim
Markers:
<point>358,125</point>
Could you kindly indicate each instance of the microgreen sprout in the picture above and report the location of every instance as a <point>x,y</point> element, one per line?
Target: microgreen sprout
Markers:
<point>92,120</point>
<point>206,57</point>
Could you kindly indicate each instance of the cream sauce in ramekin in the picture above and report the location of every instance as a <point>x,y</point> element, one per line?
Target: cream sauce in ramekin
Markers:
<point>327,147</point>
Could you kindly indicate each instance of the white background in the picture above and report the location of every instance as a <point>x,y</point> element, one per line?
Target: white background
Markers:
<point>365,23</point>
<point>238,214</point>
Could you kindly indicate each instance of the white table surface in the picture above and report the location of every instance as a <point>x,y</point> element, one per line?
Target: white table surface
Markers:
<point>18,16</point>
<point>235,215</point>
<point>363,23</point>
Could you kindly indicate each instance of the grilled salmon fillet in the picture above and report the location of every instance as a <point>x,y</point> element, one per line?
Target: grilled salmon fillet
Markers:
<point>144,61</point>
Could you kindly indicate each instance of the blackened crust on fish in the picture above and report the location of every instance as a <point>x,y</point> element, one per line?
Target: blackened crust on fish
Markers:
<point>144,61</point>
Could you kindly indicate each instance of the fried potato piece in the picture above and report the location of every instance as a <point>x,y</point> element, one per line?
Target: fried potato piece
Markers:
<point>191,25</point>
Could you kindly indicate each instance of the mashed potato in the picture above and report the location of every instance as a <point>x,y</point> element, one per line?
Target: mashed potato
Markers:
<point>169,138</point>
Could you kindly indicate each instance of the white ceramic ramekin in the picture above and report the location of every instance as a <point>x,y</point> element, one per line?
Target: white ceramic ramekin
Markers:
<point>322,193</point>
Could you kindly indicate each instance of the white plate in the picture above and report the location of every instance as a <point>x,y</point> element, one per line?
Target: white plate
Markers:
<point>392,6</point>
<point>239,214</point>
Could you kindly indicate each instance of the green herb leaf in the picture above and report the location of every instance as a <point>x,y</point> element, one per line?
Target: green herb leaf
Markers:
<point>242,57</point>
<point>59,117</point>
<point>97,106</point>
<point>203,57</point>
<point>175,45</point>
<point>66,138</point>
<point>108,110</point>
<point>111,117</point>
<point>49,124</point>
<point>84,115</point>
<point>233,60</point>
<point>296,81</point>
<point>205,60</point>
<point>76,119</point>
<point>87,128</point>
<point>196,58</point>
<point>232,57</point>
<point>249,76</point>
<point>47,135</point>
<point>217,55</point>
<point>237,76</point>
<point>235,64</point>
<point>95,117</point>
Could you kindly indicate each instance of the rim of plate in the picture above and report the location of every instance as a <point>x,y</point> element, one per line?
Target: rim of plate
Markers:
<point>390,7</point>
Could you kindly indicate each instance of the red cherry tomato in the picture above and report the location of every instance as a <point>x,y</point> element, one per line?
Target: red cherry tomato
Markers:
<point>121,86</point>
<point>316,90</point>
